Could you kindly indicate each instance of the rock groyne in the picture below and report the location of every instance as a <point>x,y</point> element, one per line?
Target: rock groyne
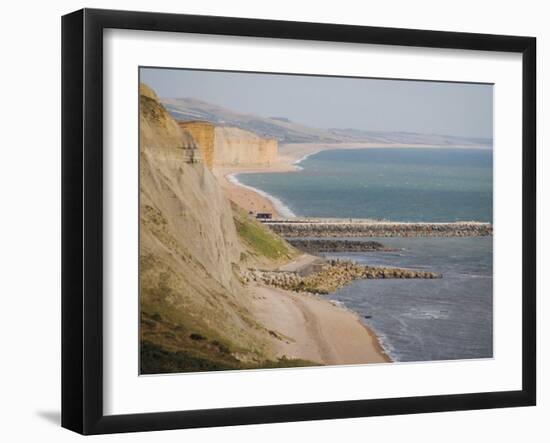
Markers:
<point>332,276</point>
<point>368,228</point>
<point>314,246</point>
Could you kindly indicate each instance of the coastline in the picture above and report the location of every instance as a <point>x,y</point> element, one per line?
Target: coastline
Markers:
<point>247,197</point>
<point>290,157</point>
<point>262,199</point>
<point>308,327</point>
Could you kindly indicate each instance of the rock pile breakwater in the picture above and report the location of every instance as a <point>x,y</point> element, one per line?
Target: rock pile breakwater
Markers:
<point>335,245</point>
<point>369,228</point>
<point>333,275</point>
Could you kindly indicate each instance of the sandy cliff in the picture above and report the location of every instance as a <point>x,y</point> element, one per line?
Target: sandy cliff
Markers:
<point>229,146</point>
<point>236,146</point>
<point>191,296</point>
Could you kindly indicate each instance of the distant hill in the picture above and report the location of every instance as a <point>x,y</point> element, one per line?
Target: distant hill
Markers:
<point>287,131</point>
<point>282,130</point>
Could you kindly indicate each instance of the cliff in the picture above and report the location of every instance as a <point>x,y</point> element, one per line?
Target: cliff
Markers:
<point>230,146</point>
<point>194,308</point>
<point>236,146</point>
<point>204,135</point>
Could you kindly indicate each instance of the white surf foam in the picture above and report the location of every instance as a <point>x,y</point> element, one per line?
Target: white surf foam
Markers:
<point>301,159</point>
<point>281,208</point>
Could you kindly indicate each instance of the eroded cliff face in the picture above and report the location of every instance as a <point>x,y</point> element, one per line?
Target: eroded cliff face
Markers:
<point>237,147</point>
<point>191,295</point>
<point>229,146</point>
<point>204,135</point>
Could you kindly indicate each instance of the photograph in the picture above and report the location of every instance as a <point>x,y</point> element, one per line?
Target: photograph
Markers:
<point>267,222</point>
<point>290,220</point>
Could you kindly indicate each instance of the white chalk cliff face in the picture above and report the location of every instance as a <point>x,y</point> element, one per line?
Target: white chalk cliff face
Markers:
<point>189,248</point>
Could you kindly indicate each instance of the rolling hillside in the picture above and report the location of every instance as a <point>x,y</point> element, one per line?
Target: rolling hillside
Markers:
<point>286,131</point>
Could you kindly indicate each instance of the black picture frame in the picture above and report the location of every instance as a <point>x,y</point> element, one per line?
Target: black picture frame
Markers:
<point>82,219</point>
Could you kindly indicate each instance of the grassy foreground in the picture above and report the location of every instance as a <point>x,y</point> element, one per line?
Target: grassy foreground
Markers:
<point>157,360</point>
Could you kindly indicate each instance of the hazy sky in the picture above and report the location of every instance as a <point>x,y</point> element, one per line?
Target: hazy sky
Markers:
<point>329,102</point>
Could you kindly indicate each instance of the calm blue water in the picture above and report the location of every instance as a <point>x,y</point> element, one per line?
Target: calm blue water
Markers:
<point>417,184</point>
<point>420,320</point>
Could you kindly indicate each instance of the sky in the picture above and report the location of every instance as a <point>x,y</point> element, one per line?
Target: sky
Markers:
<point>458,109</point>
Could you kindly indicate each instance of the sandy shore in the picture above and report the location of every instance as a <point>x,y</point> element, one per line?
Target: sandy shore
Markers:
<point>289,155</point>
<point>308,327</point>
<point>245,197</point>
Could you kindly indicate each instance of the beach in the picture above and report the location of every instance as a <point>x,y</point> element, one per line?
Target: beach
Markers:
<point>311,327</point>
<point>307,327</point>
<point>252,200</point>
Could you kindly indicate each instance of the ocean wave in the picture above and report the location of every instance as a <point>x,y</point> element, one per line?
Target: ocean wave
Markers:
<point>301,159</point>
<point>384,343</point>
<point>281,208</point>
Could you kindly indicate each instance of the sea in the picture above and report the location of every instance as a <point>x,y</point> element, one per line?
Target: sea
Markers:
<point>437,185</point>
<point>422,320</point>
<point>416,320</point>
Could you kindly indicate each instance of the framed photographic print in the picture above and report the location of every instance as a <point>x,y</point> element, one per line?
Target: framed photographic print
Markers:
<point>269,221</point>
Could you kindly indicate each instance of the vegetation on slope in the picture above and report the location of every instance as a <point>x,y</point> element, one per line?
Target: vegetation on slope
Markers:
<point>157,360</point>
<point>261,241</point>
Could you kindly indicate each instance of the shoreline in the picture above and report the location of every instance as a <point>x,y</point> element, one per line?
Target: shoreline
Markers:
<point>290,156</point>
<point>279,209</point>
<point>247,197</point>
<point>309,327</point>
